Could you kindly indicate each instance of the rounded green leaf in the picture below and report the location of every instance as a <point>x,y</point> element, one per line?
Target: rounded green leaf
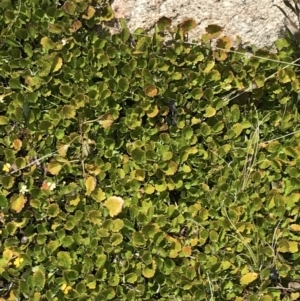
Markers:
<point>64,259</point>
<point>124,84</point>
<point>197,93</point>
<point>22,34</point>
<point>71,274</point>
<point>209,94</point>
<point>69,225</point>
<point>167,156</point>
<point>45,125</point>
<point>176,76</point>
<point>116,239</point>
<point>38,279</point>
<point>65,90</point>
<point>3,120</point>
<point>94,217</point>
<point>14,83</point>
<point>218,127</point>
<point>138,239</point>
<point>237,129</point>
<point>164,23</point>
<point>68,111</point>
<point>114,280</point>
<point>165,137</point>
<point>3,201</point>
<point>138,155</point>
<point>127,71</point>
<point>187,25</point>
<point>205,129</point>
<point>131,278</point>
<point>53,210</point>
<point>53,245</point>
<point>203,214</point>
<point>214,30</point>
<point>235,113</point>
<point>116,225</point>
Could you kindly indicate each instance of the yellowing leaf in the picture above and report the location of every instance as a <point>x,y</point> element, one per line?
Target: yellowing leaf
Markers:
<point>153,112</point>
<point>86,148</point>
<point>68,111</point>
<point>33,80</point>
<point>172,168</point>
<point>173,254</point>
<point>8,254</point>
<point>224,43</point>
<point>54,168</point>
<point>106,120</point>
<point>18,261</point>
<point>166,156</point>
<point>90,185</point>
<point>293,246</point>
<point>210,112</point>
<point>3,120</point>
<point>186,251</point>
<point>12,297</point>
<point>114,205</point>
<point>283,246</point>
<point>47,43</point>
<point>89,13</point>
<point>76,25</point>
<point>149,189</point>
<point>17,202</point>
<point>295,296</point>
<point>149,271</point>
<point>237,128</point>
<point>195,120</point>
<point>151,90</point>
<point>57,64</point>
<point>186,169</point>
<point>98,195</point>
<point>248,278</point>
<point>295,227</point>
<point>140,175</point>
<point>92,285</point>
<point>17,144</point>
<point>64,285</point>
<point>93,169</point>
<point>187,25</point>
<point>69,7</point>
<point>48,186</point>
<point>294,285</point>
<point>65,288</point>
<point>6,167</point>
<point>62,150</point>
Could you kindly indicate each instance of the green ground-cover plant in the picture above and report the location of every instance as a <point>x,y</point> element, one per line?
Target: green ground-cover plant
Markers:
<point>139,168</point>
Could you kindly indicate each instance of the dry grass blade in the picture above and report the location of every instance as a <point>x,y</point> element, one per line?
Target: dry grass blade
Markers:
<point>291,26</point>
<point>289,5</point>
<point>285,14</point>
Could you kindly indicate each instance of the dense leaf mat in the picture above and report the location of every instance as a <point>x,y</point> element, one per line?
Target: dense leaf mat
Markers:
<point>137,167</point>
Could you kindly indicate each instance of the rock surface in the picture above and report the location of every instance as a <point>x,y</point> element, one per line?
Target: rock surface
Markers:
<point>258,22</point>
